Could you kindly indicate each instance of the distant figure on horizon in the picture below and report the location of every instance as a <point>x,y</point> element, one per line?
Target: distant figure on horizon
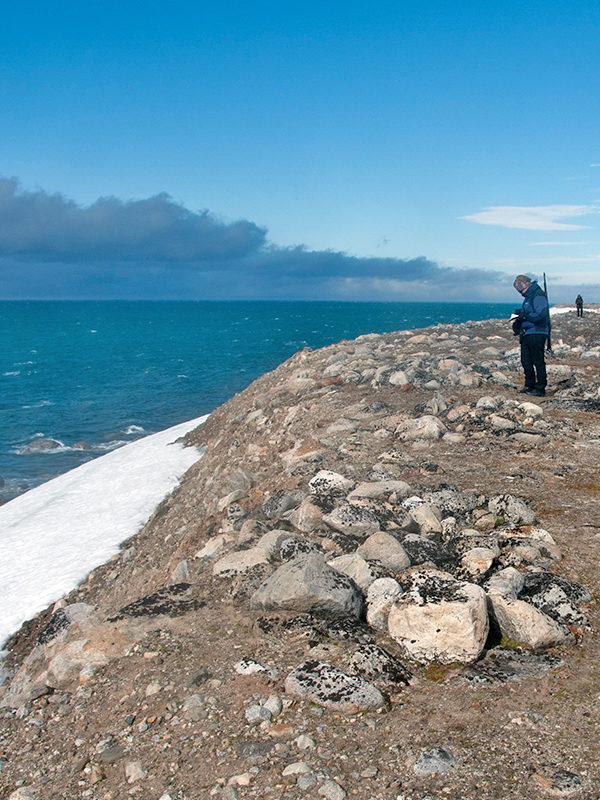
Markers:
<point>532,324</point>
<point>579,305</point>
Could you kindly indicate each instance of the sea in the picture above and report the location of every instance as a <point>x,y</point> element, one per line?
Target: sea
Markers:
<point>93,376</point>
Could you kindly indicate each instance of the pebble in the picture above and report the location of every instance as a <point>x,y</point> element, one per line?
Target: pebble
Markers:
<point>331,790</point>
<point>298,768</point>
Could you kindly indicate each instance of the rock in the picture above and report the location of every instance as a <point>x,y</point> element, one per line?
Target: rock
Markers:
<point>214,546</point>
<point>239,561</point>
<point>256,713</point>
<point>297,768</point>
<point>270,543</point>
<point>307,516</point>
<point>240,480</point>
<point>304,742</point>
<point>278,504</point>
<point>374,662</point>
<point>331,790</point>
<point>356,568</point>
<point>381,595</point>
<point>559,783</point>
<point>425,551</point>
<point>352,520</point>
<point>42,445</point>
<point>386,549</point>
<point>330,687</point>
<point>248,666</point>
<point>434,761</point>
<point>24,793</point>
<point>426,427</point>
<point>439,618</point>
<point>502,423</point>
<point>511,509</point>
<point>330,484</point>
<point>507,582</point>
<point>521,622</point>
<point>428,520</point>
<point>308,584</point>
<point>134,771</point>
<point>111,754</point>
<point>398,378</point>
<point>181,573</point>
<point>380,489</point>
<point>194,707</point>
<point>478,561</point>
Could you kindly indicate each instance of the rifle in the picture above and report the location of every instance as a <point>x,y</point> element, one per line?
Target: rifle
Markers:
<point>548,339</point>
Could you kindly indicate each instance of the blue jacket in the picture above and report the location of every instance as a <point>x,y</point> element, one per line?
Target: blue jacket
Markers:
<point>535,315</point>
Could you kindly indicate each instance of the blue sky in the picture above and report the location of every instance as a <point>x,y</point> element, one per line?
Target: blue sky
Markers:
<point>396,151</point>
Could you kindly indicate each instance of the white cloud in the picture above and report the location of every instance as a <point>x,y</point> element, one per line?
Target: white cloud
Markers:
<point>539,261</point>
<point>556,244</point>
<point>532,218</point>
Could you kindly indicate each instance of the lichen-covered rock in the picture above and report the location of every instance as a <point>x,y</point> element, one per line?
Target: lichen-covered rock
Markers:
<point>353,520</point>
<point>512,509</point>
<point>330,687</point>
<point>308,583</point>
<point>357,568</point>
<point>372,661</point>
<point>329,483</point>
<point>422,550</point>
<point>439,618</point>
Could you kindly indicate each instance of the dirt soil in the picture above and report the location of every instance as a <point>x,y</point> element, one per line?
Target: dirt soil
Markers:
<point>535,737</point>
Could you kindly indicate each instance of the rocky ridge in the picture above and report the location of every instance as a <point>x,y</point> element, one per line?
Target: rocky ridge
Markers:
<point>379,581</point>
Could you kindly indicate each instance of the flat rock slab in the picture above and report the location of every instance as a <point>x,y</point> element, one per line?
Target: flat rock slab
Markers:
<point>509,665</point>
<point>174,601</point>
<point>330,687</point>
<point>434,761</point>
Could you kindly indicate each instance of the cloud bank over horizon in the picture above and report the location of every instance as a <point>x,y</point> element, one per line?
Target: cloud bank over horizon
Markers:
<point>156,248</point>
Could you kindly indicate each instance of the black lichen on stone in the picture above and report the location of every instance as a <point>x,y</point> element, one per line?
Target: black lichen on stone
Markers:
<point>173,601</point>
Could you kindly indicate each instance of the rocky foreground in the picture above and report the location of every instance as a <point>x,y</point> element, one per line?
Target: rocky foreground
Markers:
<point>380,581</point>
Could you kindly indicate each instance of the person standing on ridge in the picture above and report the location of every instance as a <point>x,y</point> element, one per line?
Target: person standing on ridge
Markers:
<point>532,324</point>
<point>579,305</point>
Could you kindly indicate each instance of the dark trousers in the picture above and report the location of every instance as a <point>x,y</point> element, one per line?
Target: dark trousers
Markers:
<point>532,360</point>
<point>580,311</point>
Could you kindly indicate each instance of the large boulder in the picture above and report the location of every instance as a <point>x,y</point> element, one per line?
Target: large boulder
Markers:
<point>521,622</point>
<point>308,584</point>
<point>439,618</point>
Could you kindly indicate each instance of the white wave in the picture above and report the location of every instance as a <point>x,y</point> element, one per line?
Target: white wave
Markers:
<point>131,429</point>
<point>53,535</point>
<point>13,372</point>
<point>112,445</point>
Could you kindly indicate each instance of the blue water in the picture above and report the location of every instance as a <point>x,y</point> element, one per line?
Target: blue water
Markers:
<point>108,372</point>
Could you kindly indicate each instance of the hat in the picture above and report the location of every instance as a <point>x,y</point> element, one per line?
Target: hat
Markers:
<point>522,283</point>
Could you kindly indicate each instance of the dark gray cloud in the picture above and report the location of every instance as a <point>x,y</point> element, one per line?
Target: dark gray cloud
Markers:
<point>37,226</point>
<point>51,247</point>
